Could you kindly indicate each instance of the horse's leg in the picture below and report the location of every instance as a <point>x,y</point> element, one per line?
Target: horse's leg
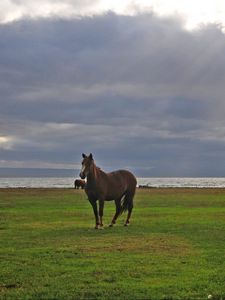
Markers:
<point>101,208</point>
<point>118,208</point>
<point>95,209</point>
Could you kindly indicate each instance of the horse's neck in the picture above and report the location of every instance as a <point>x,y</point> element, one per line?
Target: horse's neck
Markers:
<point>93,176</point>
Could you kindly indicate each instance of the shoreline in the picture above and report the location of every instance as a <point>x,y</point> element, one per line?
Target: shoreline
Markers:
<point>138,188</point>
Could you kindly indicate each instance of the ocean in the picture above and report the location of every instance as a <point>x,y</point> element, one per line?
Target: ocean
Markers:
<point>68,182</point>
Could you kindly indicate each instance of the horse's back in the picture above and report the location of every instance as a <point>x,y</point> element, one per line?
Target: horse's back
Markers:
<point>124,178</point>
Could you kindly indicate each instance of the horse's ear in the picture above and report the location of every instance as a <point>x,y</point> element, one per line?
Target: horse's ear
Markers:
<point>83,155</point>
<point>91,156</point>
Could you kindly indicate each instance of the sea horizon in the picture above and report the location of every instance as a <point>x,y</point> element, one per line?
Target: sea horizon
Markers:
<point>148,182</point>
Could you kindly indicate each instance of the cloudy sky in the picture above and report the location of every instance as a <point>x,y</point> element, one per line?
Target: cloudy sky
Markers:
<point>141,85</point>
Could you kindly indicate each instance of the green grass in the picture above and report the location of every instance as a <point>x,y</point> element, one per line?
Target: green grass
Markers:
<point>174,248</point>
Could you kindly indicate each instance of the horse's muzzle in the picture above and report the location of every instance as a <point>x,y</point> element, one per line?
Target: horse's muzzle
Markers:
<point>82,175</point>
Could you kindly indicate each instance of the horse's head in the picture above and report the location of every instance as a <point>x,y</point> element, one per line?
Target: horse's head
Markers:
<point>87,162</point>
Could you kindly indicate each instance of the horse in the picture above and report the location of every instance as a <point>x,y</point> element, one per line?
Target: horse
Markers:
<point>119,186</point>
<point>79,183</point>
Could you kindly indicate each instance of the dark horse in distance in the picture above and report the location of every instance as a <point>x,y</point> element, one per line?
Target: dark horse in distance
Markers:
<point>119,186</point>
<point>79,183</point>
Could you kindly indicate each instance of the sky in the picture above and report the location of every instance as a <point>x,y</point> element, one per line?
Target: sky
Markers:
<point>140,84</point>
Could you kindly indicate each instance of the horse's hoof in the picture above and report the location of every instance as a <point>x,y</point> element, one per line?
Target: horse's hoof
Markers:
<point>111,225</point>
<point>126,224</point>
<point>96,227</point>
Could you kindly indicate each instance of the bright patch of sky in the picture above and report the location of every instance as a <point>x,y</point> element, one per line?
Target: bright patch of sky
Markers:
<point>5,142</point>
<point>194,13</point>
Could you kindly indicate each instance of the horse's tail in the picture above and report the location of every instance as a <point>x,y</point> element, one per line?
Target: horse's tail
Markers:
<point>126,202</point>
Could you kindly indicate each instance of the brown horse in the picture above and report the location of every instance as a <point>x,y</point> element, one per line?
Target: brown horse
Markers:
<point>79,183</point>
<point>119,186</point>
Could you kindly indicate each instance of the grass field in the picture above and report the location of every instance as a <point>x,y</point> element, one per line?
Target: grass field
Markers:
<point>174,248</point>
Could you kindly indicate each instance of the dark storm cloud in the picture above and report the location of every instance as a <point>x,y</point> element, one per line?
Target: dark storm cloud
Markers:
<point>138,91</point>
